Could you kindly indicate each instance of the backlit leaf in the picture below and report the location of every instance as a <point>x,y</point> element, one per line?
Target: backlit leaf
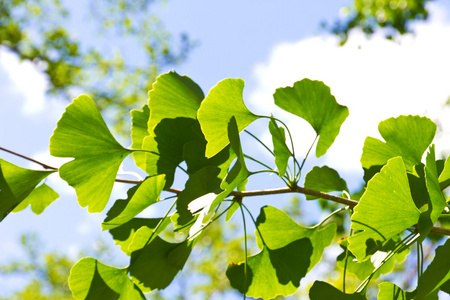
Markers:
<point>313,101</point>
<point>436,198</point>
<point>385,209</point>
<point>139,130</point>
<point>324,179</point>
<point>82,133</point>
<point>405,136</point>
<point>157,264</point>
<point>147,194</point>
<point>91,280</point>
<point>272,272</point>
<point>223,102</point>
<point>436,274</point>
<point>38,199</point>
<point>16,184</point>
<point>390,291</point>
<point>173,96</point>
<point>278,230</point>
<point>325,291</point>
<point>281,151</point>
<point>444,177</point>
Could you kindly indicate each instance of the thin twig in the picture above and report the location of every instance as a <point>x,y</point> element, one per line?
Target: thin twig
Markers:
<point>45,166</point>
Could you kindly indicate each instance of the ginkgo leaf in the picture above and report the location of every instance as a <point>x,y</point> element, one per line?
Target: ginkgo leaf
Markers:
<point>281,151</point>
<point>444,177</point>
<point>82,133</point>
<point>390,291</point>
<point>165,146</point>
<point>325,291</point>
<point>278,230</point>
<point>272,272</point>
<point>313,101</point>
<point>239,172</point>
<point>39,199</point>
<point>16,184</point>
<point>223,102</point>
<point>123,235</point>
<point>436,199</point>
<point>91,280</point>
<point>147,194</point>
<point>139,130</point>
<point>157,264</point>
<point>405,136</point>
<point>173,96</point>
<point>436,274</point>
<point>324,179</point>
<point>385,209</point>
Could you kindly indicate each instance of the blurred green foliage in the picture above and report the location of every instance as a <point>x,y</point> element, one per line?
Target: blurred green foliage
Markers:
<point>393,16</point>
<point>111,50</point>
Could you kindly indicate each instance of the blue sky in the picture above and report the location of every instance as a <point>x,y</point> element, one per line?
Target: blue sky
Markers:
<point>268,45</point>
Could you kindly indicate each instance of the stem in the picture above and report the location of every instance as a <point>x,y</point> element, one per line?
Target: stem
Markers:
<point>254,222</point>
<point>245,249</point>
<point>256,138</point>
<point>344,276</point>
<point>259,162</point>
<point>331,215</point>
<point>307,154</point>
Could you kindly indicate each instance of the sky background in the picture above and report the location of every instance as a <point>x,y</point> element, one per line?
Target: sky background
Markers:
<point>269,46</point>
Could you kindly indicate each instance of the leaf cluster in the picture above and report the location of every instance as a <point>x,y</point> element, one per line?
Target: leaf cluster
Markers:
<point>182,130</point>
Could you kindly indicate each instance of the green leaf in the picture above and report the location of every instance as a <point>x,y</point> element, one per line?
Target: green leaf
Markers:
<point>123,235</point>
<point>436,274</point>
<point>271,273</point>
<point>281,151</point>
<point>324,179</point>
<point>444,177</point>
<point>166,146</point>
<point>385,209</point>
<point>90,279</point>
<point>146,234</point>
<point>173,96</point>
<point>312,101</point>
<point>39,199</point>
<point>82,133</point>
<point>147,194</point>
<point>390,291</point>
<point>223,102</point>
<point>436,199</point>
<point>16,184</point>
<point>239,172</point>
<point>234,206</point>
<point>405,136</point>
<point>157,264</point>
<point>363,269</point>
<point>278,230</point>
<point>202,182</point>
<point>139,130</point>
<point>325,291</point>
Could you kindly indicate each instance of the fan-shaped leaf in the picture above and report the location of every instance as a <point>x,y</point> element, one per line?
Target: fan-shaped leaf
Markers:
<point>312,101</point>
<point>16,184</point>
<point>147,194</point>
<point>82,133</point>
<point>91,280</point>
<point>324,179</point>
<point>385,209</point>
<point>271,273</point>
<point>223,102</point>
<point>38,199</point>
<point>405,136</point>
<point>390,291</point>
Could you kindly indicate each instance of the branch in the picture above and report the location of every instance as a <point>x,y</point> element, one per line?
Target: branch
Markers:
<point>287,190</point>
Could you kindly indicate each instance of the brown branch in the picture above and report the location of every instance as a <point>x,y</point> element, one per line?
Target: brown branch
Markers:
<point>297,189</point>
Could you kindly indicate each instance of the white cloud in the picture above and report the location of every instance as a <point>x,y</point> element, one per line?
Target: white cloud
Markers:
<point>26,79</point>
<point>375,78</point>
